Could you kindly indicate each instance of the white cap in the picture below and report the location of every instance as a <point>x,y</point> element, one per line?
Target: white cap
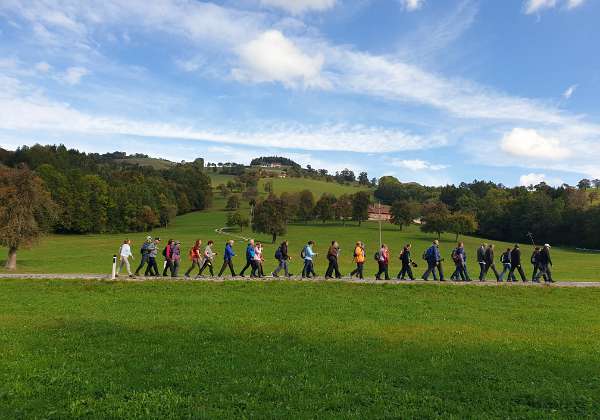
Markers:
<point>547,246</point>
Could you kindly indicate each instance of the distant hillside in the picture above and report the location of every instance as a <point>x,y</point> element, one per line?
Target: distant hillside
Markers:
<point>274,161</point>
<point>154,163</point>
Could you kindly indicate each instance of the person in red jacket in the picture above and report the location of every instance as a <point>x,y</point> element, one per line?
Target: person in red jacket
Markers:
<point>383,259</point>
<point>195,256</point>
<point>168,260</point>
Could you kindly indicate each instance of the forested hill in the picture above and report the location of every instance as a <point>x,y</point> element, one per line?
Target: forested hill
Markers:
<point>109,193</point>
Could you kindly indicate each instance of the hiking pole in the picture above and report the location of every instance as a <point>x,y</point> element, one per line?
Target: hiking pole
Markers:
<point>530,236</point>
<point>114,268</point>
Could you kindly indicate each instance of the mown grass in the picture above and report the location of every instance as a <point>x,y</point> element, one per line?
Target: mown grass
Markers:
<point>93,253</point>
<point>296,350</point>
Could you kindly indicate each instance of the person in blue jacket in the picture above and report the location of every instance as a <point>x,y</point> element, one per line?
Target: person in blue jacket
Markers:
<point>227,258</point>
<point>459,256</point>
<point>250,263</point>
<point>434,261</point>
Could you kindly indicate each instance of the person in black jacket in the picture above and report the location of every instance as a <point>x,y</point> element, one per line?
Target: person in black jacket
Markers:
<point>482,262</point>
<point>332,256</point>
<point>489,263</point>
<point>406,263</point>
<point>544,262</point>
<point>283,257</point>
<point>515,261</point>
<point>535,263</point>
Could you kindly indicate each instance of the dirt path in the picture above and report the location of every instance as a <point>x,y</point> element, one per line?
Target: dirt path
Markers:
<point>294,278</point>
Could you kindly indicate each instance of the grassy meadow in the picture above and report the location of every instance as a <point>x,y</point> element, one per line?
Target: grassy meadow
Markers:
<point>299,350</point>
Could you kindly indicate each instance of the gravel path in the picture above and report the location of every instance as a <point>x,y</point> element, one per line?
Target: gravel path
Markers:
<point>294,278</point>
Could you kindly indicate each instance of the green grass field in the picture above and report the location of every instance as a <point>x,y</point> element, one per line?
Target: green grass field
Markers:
<point>93,253</point>
<point>296,350</point>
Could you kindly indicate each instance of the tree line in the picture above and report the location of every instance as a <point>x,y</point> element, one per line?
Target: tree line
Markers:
<point>565,215</point>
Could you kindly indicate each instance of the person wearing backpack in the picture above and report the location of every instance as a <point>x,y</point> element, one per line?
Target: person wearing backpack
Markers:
<point>482,261</point>
<point>175,258</point>
<point>459,257</point>
<point>489,263</point>
<point>359,259</point>
<point>383,259</point>
<point>282,256</point>
<point>168,260</point>
<point>515,261</point>
<point>434,261</point>
<point>307,255</point>
<point>258,260</point>
<point>152,269</point>
<point>332,256</point>
<point>544,264</point>
<point>506,263</point>
<point>195,256</point>
<point>145,254</point>
<point>534,262</point>
<point>228,258</point>
<point>250,263</point>
<point>209,256</point>
<point>406,263</point>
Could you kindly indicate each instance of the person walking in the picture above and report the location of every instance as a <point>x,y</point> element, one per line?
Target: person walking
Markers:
<point>258,260</point>
<point>359,259</point>
<point>383,260</point>
<point>544,264</point>
<point>332,256</point>
<point>506,264</point>
<point>283,257</point>
<point>152,269</point>
<point>175,258</point>
<point>489,263</point>
<point>434,261</point>
<point>406,263</point>
<point>307,255</point>
<point>534,262</point>
<point>515,262</point>
<point>460,260</point>
<point>124,255</point>
<point>209,257</point>
<point>228,258</point>
<point>168,260</point>
<point>145,254</point>
<point>249,258</point>
<point>195,255</point>
<point>481,251</point>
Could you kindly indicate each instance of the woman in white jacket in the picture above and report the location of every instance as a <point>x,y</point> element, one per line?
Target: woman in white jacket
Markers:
<point>124,255</point>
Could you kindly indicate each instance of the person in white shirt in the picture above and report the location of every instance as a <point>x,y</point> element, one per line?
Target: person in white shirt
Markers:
<point>124,255</point>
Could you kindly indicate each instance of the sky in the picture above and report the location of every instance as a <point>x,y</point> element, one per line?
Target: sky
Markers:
<point>432,91</point>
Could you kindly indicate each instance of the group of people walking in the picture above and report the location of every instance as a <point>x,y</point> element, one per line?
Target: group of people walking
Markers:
<point>202,258</point>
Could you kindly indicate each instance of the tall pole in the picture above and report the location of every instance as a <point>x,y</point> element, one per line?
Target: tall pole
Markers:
<point>379,211</point>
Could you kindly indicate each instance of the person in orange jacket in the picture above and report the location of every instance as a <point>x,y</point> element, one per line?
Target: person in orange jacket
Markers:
<point>359,259</point>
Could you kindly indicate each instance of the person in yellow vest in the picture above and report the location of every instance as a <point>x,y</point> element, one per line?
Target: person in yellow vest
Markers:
<point>359,259</point>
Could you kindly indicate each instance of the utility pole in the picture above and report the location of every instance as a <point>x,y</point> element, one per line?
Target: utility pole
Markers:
<point>379,218</point>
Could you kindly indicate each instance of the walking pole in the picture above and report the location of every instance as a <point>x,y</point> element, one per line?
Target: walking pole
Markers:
<point>114,268</point>
<point>530,235</point>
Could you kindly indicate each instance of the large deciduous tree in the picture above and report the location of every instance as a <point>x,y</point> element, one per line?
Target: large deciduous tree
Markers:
<point>462,223</point>
<point>270,216</point>
<point>26,210</point>
<point>360,206</point>
<point>435,216</point>
<point>404,212</point>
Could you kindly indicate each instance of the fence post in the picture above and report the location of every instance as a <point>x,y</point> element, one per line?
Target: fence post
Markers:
<point>114,268</point>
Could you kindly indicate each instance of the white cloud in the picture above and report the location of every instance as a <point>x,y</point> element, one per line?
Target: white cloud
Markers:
<point>274,58</point>
<point>529,143</point>
<point>536,6</point>
<point>416,165</point>
<point>73,75</point>
<point>300,6</point>
<point>188,65</point>
<point>412,5</point>
<point>43,67</point>
<point>569,92</point>
<point>533,179</point>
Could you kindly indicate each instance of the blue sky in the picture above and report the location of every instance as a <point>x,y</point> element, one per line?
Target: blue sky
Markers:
<point>433,91</point>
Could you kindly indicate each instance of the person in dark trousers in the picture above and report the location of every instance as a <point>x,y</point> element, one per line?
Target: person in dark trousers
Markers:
<point>534,262</point>
<point>145,254</point>
<point>168,259</point>
<point>209,257</point>
<point>406,263</point>
<point>482,261</point>
<point>434,261</point>
<point>515,262</point>
<point>228,258</point>
<point>489,263</point>
<point>459,257</point>
<point>332,256</point>
<point>307,255</point>
<point>175,258</point>
<point>544,264</point>
<point>505,260</point>
<point>359,259</point>
<point>196,257</point>
<point>282,255</point>
<point>383,260</point>
<point>250,263</point>
<point>152,269</point>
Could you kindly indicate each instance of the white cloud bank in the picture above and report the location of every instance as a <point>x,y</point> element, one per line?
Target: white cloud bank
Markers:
<point>73,75</point>
<point>416,165</point>
<point>529,143</point>
<point>297,7</point>
<point>534,179</point>
<point>412,5</point>
<point>536,6</point>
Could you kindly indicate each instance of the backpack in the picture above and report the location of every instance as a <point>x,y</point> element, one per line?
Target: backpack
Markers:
<point>303,253</point>
<point>377,256</point>
<point>164,252</point>
<point>455,256</point>
<point>278,254</point>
